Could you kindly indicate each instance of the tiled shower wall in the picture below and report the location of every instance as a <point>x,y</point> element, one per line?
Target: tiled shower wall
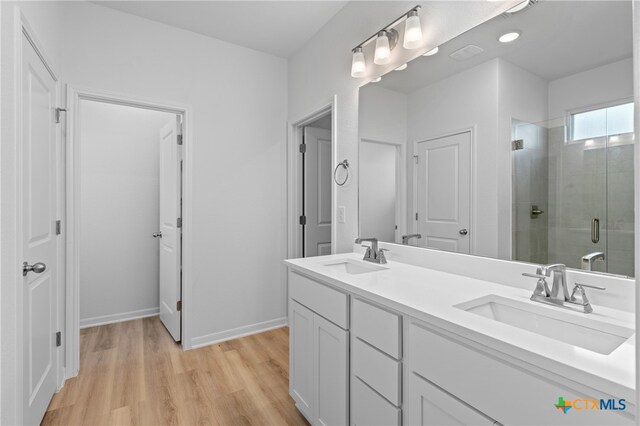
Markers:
<point>530,185</point>
<point>589,180</point>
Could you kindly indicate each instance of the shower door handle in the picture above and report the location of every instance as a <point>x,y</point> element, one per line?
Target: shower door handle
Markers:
<point>595,231</point>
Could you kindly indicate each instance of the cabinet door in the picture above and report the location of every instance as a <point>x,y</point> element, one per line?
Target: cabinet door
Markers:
<point>301,357</point>
<point>430,405</point>
<point>332,378</point>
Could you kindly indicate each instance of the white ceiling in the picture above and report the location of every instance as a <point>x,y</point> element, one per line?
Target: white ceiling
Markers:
<point>559,38</point>
<point>279,28</point>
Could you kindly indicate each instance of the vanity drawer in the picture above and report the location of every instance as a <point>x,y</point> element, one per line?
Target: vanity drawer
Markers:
<point>377,369</point>
<point>502,390</point>
<point>323,300</point>
<point>370,409</point>
<point>377,327</point>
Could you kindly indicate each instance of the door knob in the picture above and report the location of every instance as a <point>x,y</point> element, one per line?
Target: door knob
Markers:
<point>463,231</point>
<point>157,234</point>
<point>38,268</point>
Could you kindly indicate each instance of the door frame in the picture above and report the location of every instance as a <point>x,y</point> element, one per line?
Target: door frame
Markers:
<point>74,96</point>
<point>472,130</point>
<point>294,175</point>
<point>401,185</point>
<point>15,303</point>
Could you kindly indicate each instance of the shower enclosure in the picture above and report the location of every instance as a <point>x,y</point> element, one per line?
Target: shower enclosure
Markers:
<point>573,197</point>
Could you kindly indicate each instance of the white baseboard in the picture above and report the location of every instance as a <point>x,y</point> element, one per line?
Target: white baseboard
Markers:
<point>124,316</point>
<point>222,336</point>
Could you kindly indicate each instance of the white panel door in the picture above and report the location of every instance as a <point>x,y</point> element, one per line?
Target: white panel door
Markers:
<point>317,197</point>
<point>332,378</point>
<point>170,237</point>
<point>444,192</point>
<point>38,235</point>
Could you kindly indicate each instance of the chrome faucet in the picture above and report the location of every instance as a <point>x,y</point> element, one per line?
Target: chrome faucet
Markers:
<point>589,259</point>
<point>406,238</point>
<point>559,294</point>
<point>559,281</point>
<point>372,254</point>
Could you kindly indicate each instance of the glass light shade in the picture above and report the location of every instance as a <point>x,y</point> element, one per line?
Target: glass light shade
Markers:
<point>383,51</point>
<point>412,32</point>
<point>358,65</point>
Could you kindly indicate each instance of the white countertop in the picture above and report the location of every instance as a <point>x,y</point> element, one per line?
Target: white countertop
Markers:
<point>431,296</point>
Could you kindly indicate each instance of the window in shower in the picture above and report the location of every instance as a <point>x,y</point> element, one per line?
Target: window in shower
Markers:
<point>611,121</point>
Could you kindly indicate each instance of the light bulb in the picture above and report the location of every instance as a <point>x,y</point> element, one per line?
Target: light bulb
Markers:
<point>412,31</point>
<point>358,65</point>
<point>375,80</point>
<point>519,7</point>
<point>383,51</point>
<point>432,51</point>
<point>509,37</point>
<point>401,67</point>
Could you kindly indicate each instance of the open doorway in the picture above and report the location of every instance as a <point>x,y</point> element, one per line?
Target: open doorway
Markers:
<point>125,192</point>
<point>316,160</point>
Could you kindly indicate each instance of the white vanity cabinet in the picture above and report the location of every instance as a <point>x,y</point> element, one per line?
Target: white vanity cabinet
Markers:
<point>452,381</point>
<point>318,351</point>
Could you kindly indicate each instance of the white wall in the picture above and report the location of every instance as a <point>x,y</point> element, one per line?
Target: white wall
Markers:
<point>608,83</point>
<point>238,103</point>
<point>522,96</point>
<point>47,21</point>
<point>467,100</point>
<point>119,211</point>
<point>382,115</point>
<point>321,69</point>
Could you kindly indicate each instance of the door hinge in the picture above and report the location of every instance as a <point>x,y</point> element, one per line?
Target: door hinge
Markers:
<point>58,339</point>
<point>58,111</point>
<point>517,145</point>
<point>179,139</point>
<point>58,227</point>
<point>417,158</point>
<point>303,148</point>
<point>303,220</point>
<point>416,216</point>
<point>179,306</point>
<point>179,222</point>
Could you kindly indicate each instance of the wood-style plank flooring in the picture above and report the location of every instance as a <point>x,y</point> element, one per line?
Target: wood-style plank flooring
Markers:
<point>134,373</point>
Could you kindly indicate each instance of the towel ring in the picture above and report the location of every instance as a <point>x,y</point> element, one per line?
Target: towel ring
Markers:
<point>345,165</point>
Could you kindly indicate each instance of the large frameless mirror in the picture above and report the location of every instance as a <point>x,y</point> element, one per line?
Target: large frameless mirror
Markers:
<point>514,140</point>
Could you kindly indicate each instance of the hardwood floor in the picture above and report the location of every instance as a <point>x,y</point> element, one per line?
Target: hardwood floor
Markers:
<point>134,373</point>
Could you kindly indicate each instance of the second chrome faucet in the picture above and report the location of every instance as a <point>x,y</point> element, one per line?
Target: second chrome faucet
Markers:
<point>559,293</point>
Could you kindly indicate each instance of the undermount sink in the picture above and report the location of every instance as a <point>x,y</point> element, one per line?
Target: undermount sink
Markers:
<point>355,267</point>
<point>584,332</point>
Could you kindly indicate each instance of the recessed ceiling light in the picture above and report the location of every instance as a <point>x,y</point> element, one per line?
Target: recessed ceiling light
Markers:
<point>519,7</point>
<point>509,37</point>
<point>401,67</point>
<point>377,79</point>
<point>432,51</point>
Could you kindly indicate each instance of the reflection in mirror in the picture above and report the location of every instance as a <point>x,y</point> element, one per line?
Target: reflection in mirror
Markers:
<point>519,150</point>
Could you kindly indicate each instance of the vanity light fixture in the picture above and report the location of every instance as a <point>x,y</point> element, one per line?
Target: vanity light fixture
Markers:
<point>358,66</point>
<point>386,40</point>
<point>509,37</point>
<point>432,51</point>
<point>401,67</point>
<point>412,30</point>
